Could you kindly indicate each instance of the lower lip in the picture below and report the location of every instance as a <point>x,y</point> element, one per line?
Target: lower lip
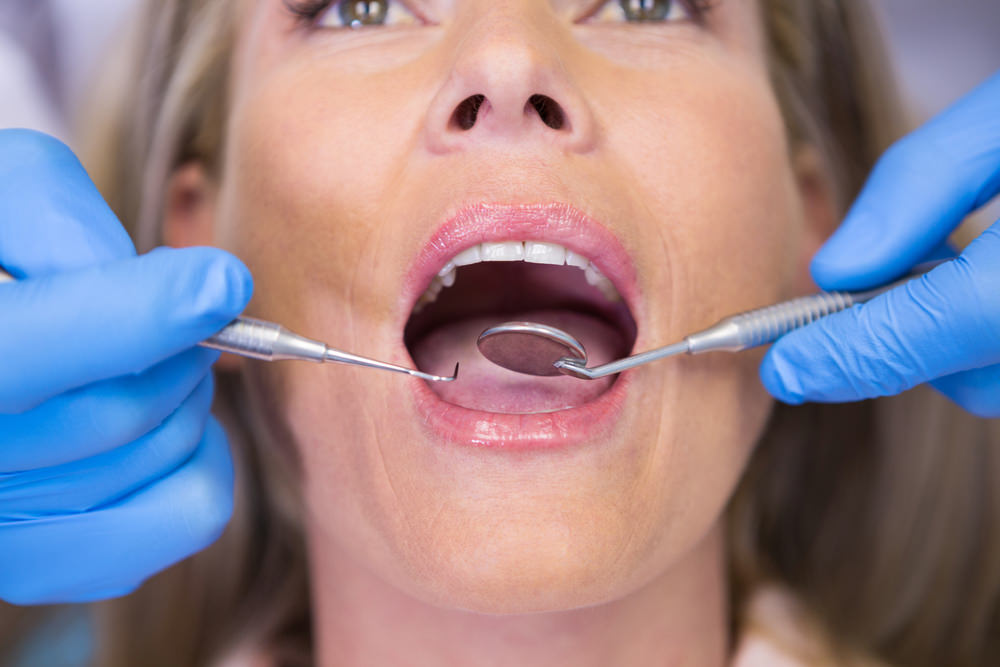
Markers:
<point>572,427</point>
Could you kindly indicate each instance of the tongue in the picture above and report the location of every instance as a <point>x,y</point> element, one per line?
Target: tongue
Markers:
<point>481,385</point>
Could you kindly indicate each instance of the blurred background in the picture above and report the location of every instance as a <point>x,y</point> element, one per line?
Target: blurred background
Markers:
<point>941,51</point>
<point>50,49</point>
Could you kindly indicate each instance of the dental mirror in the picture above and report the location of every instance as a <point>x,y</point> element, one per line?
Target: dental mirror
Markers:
<point>530,348</point>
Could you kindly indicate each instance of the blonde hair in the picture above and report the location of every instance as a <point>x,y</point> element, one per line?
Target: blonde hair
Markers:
<point>879,516</point>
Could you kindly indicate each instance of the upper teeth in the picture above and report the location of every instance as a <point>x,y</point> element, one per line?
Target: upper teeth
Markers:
<point>535,252</point>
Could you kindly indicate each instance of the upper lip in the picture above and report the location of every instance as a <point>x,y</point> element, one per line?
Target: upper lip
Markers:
<point>553,222</point>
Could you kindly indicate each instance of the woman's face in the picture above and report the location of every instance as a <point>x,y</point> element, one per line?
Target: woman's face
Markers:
<point>361,162</point>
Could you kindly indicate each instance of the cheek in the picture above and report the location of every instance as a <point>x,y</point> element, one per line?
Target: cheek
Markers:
<point>296,207</point>
<point>300,203</point>
<point>712,164</point>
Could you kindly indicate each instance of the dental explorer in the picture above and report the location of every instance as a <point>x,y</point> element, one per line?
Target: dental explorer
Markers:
<point>537,349</point>
<point>268,341</point>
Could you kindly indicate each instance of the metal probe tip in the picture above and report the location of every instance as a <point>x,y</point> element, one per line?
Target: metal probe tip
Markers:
<point>347,358</point>
<point>436,378</point>
<point>431,378</point>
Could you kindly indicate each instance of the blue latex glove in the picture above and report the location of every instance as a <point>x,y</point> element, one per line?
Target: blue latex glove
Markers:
<point>111,467</point>
<point>943,328</point>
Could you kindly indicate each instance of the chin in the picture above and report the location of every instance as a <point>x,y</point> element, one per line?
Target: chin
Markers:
<point>534,569</point>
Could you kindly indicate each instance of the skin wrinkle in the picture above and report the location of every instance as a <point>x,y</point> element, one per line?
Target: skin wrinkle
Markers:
<point>400,507</point>
<point>352,287</point>
<point>438,512</point>
<point>620,560</point>
<point>667,243</point>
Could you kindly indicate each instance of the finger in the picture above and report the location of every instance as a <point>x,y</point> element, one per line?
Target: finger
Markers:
<point>939,324</point>
<point>920,190</point>
<point>73,329</point>
<point>83,485</point>
<point>85,422</point>
<point>52,218</point>
<point>977,390</point>
<point>99,554</point>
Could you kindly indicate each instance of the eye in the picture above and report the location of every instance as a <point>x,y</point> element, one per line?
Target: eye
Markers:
<point>645,11</point>
<point>352,13</point>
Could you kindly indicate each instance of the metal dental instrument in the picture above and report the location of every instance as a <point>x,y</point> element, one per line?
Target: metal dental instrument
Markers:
<point>537,349</point>
<point>259,339</point>
<point>529,348</point>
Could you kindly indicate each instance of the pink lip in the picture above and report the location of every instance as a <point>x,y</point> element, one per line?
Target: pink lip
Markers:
<point>557,223</point>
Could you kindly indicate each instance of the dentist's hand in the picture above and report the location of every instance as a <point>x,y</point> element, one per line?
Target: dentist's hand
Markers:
<point>943,328</point>
<point>111,467</point>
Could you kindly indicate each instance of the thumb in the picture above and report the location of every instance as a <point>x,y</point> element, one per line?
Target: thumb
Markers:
<point>920,190</point>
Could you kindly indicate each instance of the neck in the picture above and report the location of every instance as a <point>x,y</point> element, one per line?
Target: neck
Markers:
<point>678,619</point>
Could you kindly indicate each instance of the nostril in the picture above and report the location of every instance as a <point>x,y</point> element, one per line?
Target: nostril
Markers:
<point>466,114</point>
<point>549,111</point>
<point>467,111</point>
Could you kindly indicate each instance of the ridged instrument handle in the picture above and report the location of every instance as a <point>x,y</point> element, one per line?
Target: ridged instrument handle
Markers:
<point>766,325</point>
<point>247,337</point>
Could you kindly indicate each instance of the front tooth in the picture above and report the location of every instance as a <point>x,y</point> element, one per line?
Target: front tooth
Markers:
<point>579,261</point>
<point>506,251</point>
<point>435,288</point>
<point>468,256</point>
<point>537,252</point>
<point>447,275</point>
<point>608,290</point>
<point>592,274</point>
<point>421,303</point>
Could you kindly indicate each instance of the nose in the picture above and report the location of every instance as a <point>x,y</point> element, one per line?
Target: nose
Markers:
<point>507,85</point>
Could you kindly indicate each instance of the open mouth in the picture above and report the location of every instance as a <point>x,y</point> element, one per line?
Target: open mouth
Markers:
<point>533,280</point>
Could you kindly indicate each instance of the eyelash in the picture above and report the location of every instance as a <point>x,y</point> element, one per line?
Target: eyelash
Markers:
<point>697,9</point>
<point>308,11</point>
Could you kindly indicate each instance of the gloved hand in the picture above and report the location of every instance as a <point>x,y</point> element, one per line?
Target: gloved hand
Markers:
<point>111,467</point>
<point>943,328</point>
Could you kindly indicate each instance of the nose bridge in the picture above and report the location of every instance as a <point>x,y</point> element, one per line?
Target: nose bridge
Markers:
<point>503,59</point>
<point>506,79</point>
<point>508,41</point>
